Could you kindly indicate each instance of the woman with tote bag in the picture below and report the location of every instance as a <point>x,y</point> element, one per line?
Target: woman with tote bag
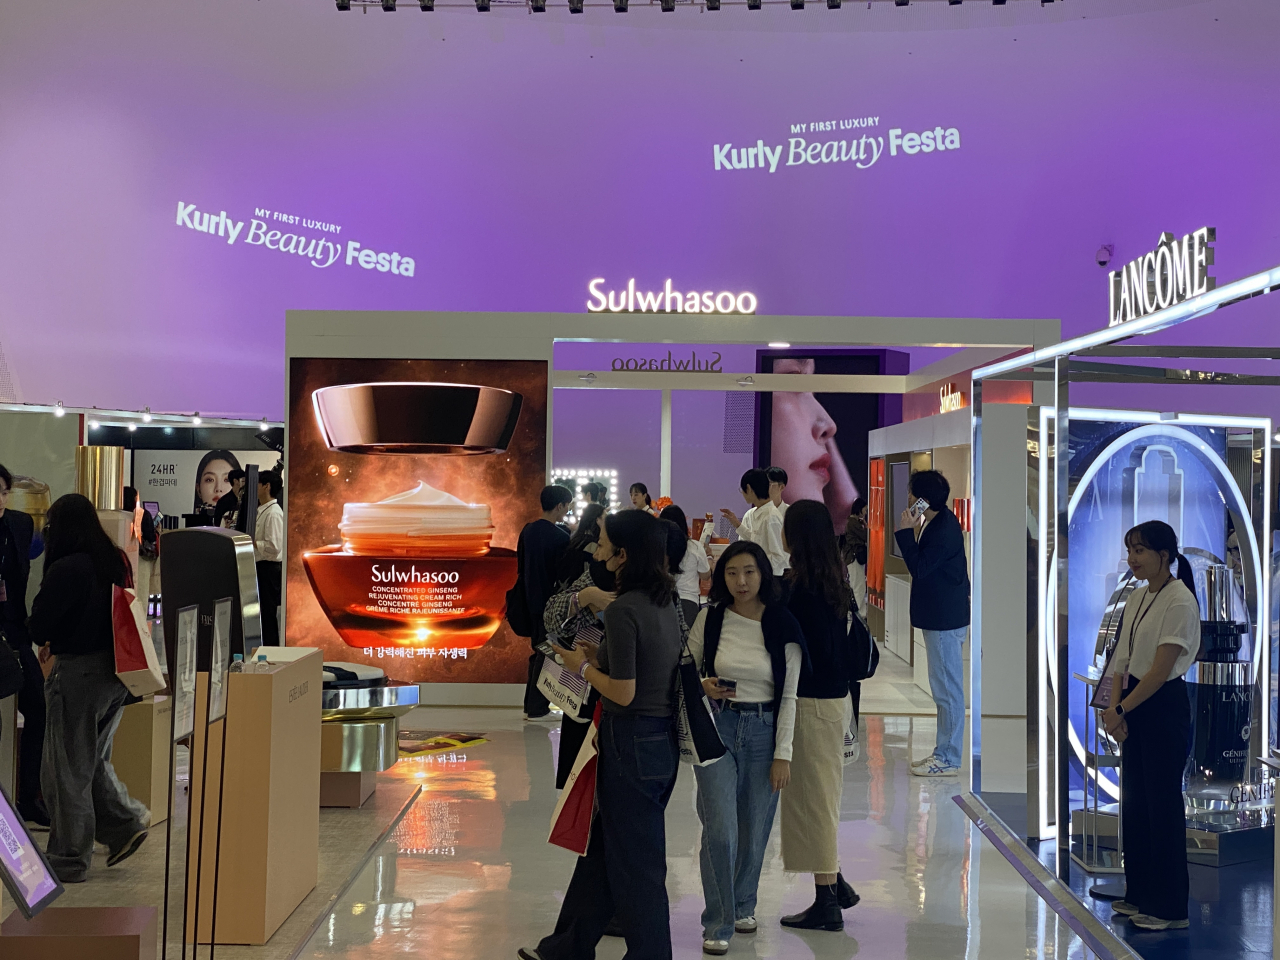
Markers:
<point>625,868</point>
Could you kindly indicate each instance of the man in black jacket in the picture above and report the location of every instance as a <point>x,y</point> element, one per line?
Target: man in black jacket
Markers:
<point>541,544</point>
<point>16,532</point>
<point>932,545</point>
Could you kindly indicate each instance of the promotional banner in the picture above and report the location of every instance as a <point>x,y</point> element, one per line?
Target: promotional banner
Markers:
<point>191,481</point>
<point>409,484</point>
<point>820,439</point>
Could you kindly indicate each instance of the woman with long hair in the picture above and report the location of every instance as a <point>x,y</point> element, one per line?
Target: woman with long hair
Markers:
<point>820,599</point>
<point>575,560</point>
<point>692,565</point>
<point>625,868</point>
<point>1158,642</point>
<point>750,650</point>
<point>71,623</point>
<point>213,480</point>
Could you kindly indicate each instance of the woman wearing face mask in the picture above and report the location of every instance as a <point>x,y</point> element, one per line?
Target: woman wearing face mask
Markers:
<point>1158,642</point>
<point>625,867</point>
<point>576,558</point>
<point>803,443</point>
<point>580,604</point>
<point>820,599</point>
<point>750,649</point>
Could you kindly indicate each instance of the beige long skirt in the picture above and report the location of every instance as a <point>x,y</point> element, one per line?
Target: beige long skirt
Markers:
<point>811,801</point>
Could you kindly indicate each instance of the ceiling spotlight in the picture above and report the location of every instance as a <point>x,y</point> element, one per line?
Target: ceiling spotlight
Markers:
<point>196,419</point>
<point>426,6</point>
<point>58,410</point>
<point>93,424</point>
<point>388,6</point>
<point>264,426</point>
<point>344,4</point>
<point>133,427</point>
<point>779,345</point>
<point>619,6</point>
<point>146,414</point>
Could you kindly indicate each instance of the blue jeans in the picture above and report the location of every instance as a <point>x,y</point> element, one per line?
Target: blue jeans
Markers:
<point>736,806</point>
<point>625,869</point>
<point>946,683</point>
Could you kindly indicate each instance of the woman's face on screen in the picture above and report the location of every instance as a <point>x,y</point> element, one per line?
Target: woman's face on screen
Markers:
<point>212,484</point>
<point>804,444</point>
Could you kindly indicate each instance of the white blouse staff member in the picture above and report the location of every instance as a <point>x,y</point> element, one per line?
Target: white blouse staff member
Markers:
<point>1151,716</point>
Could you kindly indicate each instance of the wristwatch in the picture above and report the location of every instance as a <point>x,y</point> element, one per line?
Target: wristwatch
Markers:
<point>1119,709</point>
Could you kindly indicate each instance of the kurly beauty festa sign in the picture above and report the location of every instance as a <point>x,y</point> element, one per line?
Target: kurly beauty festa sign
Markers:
<point>409,483</point>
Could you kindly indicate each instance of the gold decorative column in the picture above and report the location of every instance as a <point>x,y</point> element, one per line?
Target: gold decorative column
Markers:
<point>100,475</point>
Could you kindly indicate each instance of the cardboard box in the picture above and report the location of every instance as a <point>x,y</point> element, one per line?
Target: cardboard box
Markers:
<point>141,753</point>
<point>269,852</point>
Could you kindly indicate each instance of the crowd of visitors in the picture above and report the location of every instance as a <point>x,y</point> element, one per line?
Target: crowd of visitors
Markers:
<point>773,626</point>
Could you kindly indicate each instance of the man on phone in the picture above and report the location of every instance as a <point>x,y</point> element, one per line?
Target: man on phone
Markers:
<point>932,545</point>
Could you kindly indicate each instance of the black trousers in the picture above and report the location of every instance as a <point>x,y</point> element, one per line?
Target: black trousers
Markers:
<point>535,704</point>
<point>1155,825</point>
<point>269,576</point>
<point>31,703</point>
<point>572,735</point>
<point>626,861</point>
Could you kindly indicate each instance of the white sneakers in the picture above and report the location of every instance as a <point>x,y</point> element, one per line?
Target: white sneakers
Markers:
<point>933,767</point>
<point>745,925</point>
<point>716,948</point>
<point>921,763</point>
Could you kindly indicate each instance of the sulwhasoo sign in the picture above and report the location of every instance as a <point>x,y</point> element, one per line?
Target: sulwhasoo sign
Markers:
<point>1174,271</point>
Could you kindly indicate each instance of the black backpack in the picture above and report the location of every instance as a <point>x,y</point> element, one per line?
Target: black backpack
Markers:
<point>518,615</point>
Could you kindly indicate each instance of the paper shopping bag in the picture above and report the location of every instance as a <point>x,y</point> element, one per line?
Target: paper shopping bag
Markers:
<point>136,663</point>
<point>562,687</point>
<point>571,821</point>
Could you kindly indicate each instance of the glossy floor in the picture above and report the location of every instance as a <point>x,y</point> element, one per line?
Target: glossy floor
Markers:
<point>468,873</point>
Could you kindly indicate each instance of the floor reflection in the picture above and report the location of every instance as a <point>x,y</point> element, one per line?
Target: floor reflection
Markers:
<point>468,873</point>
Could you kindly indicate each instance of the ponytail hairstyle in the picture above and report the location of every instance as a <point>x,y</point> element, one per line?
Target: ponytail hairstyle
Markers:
<point>641,489</point>
<point>1158,536</point>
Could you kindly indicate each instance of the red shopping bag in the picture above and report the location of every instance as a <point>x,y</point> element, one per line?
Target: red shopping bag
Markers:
<point>137,665</point>
<point>571,821</point>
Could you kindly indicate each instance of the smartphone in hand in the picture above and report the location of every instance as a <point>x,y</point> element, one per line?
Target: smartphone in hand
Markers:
<point>729,686</point>
<point>918,508</point>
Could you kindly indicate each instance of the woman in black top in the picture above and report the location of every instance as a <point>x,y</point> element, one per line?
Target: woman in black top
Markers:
<point>820,599</point>
<point>71,623</point>
<point>634,669</point>
<point>577,555</point>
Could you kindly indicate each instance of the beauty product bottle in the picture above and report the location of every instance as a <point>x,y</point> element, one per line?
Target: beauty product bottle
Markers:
<point>415,569</point>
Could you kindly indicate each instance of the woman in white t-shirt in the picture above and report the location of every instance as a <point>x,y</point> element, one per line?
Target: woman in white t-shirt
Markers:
<point>750,637</point>
<point>1151,716</point>
<point>695,566</point>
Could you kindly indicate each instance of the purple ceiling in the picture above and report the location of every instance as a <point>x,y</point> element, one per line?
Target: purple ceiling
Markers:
<point>514,158</point>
